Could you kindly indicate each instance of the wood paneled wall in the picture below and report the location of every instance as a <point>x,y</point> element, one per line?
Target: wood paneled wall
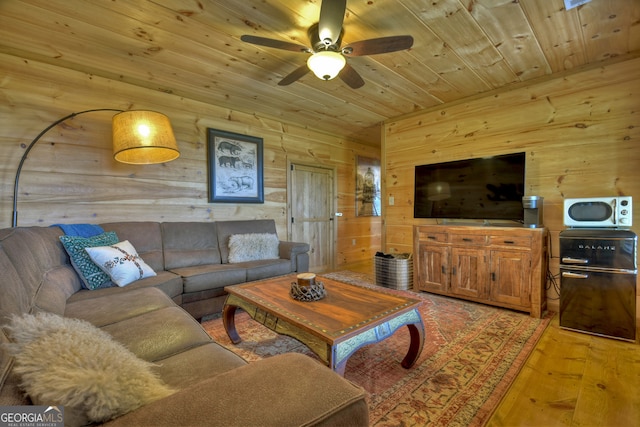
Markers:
<point>581,133</point>
<point>71,177</point>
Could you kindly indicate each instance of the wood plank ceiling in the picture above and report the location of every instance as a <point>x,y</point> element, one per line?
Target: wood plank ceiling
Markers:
<point>192,48</point>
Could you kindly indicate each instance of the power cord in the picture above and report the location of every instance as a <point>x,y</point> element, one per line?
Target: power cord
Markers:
<point>552,282</point>
<point>551,279</point>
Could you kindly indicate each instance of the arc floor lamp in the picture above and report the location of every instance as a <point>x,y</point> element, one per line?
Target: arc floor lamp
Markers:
<point>140,137</point>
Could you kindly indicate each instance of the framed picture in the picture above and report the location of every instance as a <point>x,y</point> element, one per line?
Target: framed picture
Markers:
<point>235,167</point>
<point>367,186</point>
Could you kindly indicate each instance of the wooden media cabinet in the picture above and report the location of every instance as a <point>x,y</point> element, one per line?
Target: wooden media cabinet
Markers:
<point>500,266</point>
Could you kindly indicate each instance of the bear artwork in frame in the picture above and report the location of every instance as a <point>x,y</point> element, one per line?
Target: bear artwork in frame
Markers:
<point>235,167</point>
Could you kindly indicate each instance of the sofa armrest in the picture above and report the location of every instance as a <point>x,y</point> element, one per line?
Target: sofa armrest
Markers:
<point>285,390</point>
<point>297,252</point>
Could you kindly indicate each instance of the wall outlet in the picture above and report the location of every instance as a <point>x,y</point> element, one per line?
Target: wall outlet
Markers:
<point>353,242</point>
<point>391,200</point>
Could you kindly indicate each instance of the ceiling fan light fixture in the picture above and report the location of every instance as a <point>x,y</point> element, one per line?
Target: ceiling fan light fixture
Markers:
<point>326,64</point>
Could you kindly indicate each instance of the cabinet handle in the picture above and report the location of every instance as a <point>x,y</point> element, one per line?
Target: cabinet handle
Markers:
<point>443,270</point>
<point>453,271</point>
<point>493,276</point>
<point>509,242</point>
<point>431,237</point>
<point>466,239</point>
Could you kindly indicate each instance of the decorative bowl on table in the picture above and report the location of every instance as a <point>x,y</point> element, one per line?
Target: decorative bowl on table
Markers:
<point>306,288</point>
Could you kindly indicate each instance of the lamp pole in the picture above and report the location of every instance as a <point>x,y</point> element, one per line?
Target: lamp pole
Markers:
<point>14,223</point>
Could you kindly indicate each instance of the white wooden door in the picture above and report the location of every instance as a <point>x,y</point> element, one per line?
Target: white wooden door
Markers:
<point>311,206</point>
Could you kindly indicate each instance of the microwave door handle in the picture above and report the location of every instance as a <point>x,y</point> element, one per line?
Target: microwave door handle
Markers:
<point>569,260</point>
<point>569,275</point>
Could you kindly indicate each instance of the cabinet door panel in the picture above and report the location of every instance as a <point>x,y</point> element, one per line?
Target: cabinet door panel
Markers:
<point>432,268</point>
<point>468,272</point>
<point>510,277</point>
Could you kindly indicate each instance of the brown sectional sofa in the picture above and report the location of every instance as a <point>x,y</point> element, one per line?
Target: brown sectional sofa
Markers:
<point>193,258</point>
<point>213,386</point>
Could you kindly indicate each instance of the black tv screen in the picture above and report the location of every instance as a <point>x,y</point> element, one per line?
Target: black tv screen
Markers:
<point>488,188</point>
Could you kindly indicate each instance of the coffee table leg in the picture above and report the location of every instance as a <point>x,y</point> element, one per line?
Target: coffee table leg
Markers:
<point>343,350</point>
<point>340,367</point>
<point>416,332</point>
<point>229,322</point>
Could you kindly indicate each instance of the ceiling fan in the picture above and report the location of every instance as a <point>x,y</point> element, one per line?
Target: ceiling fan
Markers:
<point>328,59</point>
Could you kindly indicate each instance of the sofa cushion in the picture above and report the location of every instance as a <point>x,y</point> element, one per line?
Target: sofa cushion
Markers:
<point>117,306</point>
<point>193,365</point>
<point>167,282</point>
<point>58,284</point>
<point>159,334</point>
<point>15,294</point>
<point>263,269</point>
<point>91,275</point>
<point>252,246</point>
<point>32,251</point>
<point>285,390</point>
<point>27,256</point>
<point>74,364</point>
<point>10,391</point>
<point>145,236</point>
<point>121,262</point>
<point>189,243</point>
<point>211,276</point>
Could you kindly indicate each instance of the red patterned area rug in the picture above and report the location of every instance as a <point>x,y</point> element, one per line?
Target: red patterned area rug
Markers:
<point>471,354</point>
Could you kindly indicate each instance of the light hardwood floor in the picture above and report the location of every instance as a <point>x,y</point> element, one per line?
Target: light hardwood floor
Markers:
<point>574,379</point>
<point>570,379</point>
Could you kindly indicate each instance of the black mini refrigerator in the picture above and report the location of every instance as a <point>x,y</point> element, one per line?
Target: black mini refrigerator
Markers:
<point>598,271</point>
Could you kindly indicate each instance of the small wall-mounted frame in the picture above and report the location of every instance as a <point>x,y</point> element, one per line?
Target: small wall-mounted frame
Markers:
<point>367,186</point>
<point>235,167</point>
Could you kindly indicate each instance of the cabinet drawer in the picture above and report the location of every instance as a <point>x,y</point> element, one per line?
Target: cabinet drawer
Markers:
<point>468,239</point>
<point>428,236</point>
<point>521,242</point>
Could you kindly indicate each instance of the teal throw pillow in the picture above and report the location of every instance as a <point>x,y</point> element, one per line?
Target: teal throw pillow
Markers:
<point>92,276</point>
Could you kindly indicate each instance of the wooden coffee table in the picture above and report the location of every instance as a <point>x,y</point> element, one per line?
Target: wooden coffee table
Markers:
<point>334,327</point>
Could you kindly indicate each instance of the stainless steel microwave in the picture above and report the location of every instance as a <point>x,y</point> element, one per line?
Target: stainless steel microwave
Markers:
<point>599,212</point>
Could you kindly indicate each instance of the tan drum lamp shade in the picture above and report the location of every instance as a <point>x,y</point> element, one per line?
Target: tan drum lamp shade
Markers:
<point>140,137</point>
<point>143,138</point>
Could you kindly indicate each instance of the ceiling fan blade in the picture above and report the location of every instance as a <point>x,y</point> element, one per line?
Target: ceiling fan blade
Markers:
<point>351,77</point>
<point>295,75</point>
<point>379,45</point>
<point>331,19</point>
<point>278,44</point>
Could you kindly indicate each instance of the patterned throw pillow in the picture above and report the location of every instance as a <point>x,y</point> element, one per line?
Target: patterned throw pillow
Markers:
<point>92,276</point>
<point>121,262</point>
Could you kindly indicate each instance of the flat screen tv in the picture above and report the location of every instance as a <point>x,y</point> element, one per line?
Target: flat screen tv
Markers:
<point>487,188</point>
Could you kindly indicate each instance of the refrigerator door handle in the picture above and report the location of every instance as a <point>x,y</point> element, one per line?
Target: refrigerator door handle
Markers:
<point>569,260</point>
<point>570,275</point>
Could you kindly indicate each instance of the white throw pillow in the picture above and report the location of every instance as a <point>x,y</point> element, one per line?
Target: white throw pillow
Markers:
<point>70,362</point>
<point>121,262</point>
<point>92,277</point>
<point>253,246</point>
